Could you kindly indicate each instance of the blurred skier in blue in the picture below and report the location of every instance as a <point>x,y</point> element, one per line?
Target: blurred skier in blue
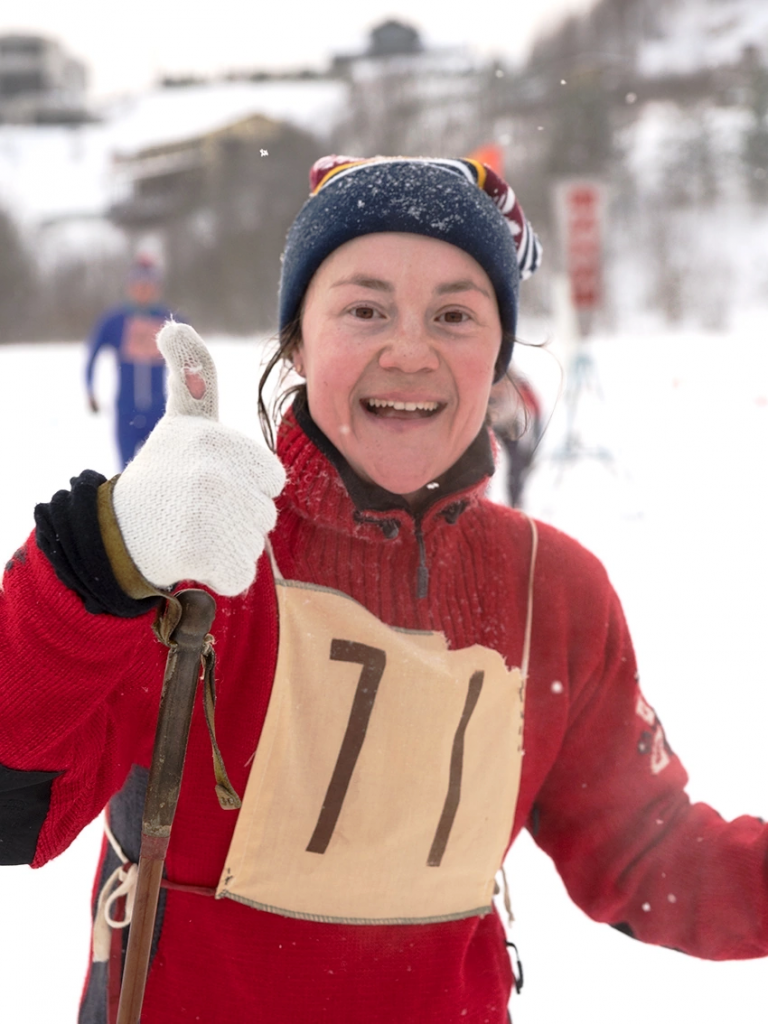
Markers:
<point>130,329</point>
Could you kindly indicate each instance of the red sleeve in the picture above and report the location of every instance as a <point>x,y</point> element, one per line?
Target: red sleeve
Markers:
<point>78,695</point>
<point>613,813</point>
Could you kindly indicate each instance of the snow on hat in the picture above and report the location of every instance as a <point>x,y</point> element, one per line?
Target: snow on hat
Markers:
<point>463,202</point>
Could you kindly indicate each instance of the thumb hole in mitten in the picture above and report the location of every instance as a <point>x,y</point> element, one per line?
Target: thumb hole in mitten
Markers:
<point>195,381</point>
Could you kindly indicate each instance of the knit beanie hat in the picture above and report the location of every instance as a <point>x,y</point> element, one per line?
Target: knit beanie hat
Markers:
<point>144,269</point>
<point>463,202</point>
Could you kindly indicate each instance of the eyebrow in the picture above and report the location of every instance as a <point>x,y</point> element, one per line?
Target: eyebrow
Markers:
<point>377,284</point>
<point>466,285</point>
<point>364,282</point>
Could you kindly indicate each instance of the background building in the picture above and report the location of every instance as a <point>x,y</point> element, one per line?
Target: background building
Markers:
<point>39,82</point>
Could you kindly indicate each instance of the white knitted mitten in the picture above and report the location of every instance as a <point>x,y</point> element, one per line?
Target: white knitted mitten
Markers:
<point>196,503</point>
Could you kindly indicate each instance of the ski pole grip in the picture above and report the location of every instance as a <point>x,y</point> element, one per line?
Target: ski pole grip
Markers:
<point>198,610</point>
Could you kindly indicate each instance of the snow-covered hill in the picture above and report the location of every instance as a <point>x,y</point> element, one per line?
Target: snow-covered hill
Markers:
<point>659,38</point>
<point>693,34</point>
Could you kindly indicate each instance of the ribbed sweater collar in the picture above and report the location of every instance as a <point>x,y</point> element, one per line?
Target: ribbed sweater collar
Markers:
<point>323,486</point>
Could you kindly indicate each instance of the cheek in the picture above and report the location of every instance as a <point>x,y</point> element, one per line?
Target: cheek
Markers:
<point>329,377</point>
<point>474,378</point>
<point>329,386</point>
<point>334,366</point>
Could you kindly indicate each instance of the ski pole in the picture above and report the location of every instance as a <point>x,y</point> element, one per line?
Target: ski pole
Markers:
<point>182,673</point>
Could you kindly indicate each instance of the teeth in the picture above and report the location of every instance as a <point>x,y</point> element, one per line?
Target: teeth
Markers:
<point>378,403</point>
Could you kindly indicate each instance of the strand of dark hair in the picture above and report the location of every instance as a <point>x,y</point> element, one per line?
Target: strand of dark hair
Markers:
<point>288,341</point>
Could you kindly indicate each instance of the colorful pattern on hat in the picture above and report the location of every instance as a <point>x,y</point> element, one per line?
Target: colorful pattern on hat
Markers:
<point>526,241</point>
<point>461,202</point>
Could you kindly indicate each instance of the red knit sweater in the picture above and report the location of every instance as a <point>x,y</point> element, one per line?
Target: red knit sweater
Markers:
<point>600,789</point>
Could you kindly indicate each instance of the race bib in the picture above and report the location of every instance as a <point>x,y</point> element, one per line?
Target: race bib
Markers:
<point>384,786</point>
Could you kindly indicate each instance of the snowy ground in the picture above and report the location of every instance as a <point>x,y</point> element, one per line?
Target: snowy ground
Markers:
<point>677,513</point>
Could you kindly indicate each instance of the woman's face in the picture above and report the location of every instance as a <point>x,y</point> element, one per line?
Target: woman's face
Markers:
<point>400,334</point>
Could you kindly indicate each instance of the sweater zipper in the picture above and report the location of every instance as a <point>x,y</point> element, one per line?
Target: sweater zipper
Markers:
<point>390,528</point>
<point>422,572</point>
<point>451,513</point>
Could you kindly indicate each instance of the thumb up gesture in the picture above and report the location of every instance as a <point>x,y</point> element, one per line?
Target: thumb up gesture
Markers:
<point>197,501</point>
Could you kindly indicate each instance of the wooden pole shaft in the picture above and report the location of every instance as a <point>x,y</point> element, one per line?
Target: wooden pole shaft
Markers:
<point>174,718</point>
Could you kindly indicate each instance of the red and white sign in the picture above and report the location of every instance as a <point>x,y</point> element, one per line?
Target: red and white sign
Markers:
<point>580,211</point>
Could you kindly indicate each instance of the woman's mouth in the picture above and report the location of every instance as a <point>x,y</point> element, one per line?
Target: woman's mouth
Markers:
<point>396,408</point>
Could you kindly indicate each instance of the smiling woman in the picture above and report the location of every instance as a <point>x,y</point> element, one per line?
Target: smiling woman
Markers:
<point>399,356</point>
<point>414,675</point>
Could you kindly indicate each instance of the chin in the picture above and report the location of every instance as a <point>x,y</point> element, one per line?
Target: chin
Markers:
<point>399,475</point>
<point>404,487</point>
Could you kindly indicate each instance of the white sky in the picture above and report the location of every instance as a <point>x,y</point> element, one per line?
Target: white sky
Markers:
<point>126,46</point>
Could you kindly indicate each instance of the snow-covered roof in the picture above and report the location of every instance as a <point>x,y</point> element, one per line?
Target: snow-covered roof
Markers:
<point>51,172</point>
<point>173,114</point>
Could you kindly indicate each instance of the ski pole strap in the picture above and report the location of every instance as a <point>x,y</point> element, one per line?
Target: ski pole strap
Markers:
<point>135,585</point>
<point>164,625</point>
<point>225,791</point>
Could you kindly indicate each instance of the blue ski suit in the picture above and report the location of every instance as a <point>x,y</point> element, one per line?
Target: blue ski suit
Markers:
<point>131,330</point>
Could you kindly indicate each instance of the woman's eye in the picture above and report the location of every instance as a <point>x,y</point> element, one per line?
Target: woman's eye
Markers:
<point>364,312</point>
<point>454,316</point>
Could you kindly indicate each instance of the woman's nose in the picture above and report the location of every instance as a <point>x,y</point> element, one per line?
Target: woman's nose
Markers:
<point>410,349</point>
